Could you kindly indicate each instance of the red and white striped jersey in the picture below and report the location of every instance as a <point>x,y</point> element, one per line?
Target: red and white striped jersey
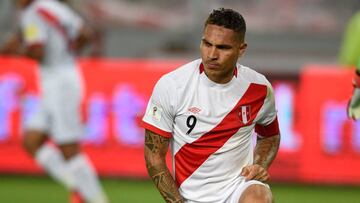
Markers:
<point>211,127</point>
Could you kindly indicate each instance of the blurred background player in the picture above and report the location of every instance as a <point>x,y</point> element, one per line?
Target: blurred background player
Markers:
<point>350,56</point>
<point>51,33</point>
<point>13,43</point>
<point>207,110</point>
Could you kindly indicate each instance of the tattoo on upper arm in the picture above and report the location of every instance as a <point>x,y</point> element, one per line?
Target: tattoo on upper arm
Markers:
<point>155,143</point>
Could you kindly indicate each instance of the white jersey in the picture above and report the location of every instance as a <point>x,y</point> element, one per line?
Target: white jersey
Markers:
<point>211,127</point>
<point>54,25</point>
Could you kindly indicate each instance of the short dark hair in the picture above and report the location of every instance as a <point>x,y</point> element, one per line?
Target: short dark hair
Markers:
<point>229,19</point>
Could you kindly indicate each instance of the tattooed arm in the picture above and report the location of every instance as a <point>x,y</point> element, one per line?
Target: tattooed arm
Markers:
<point>156,147</point>
<point>265,152</point>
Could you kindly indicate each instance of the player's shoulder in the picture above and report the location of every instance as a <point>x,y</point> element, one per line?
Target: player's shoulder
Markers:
<point>182,74</point>
<point>185,70</point>
<point>34,8</point>
<point>252,76</point>
<point>30,14</point>
<point>30,10</point>
<point>55,7</point>
<point>55,4</point>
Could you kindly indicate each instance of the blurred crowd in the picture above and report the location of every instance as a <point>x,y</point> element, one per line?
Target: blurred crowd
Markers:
<point>266,16</point>
<point>171,29</point>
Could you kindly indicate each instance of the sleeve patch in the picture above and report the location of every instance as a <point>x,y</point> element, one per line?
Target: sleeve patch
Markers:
<point>31,32</point>
<point>155,111</point>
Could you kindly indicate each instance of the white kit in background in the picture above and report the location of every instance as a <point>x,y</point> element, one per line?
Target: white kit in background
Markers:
<point>54,25</point>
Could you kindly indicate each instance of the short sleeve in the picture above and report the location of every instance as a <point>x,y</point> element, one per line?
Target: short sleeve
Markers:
<point>267,125</point>
<point>33,29</point>
<point>75,23</point>
<point>159,115</point>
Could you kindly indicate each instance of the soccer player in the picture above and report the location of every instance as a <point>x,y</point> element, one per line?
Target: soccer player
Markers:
<point>52,33</point>
<point>350,56</point>
<point>206,111</point>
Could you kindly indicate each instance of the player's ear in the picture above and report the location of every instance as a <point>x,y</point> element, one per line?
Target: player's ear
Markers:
<point>242,48</point>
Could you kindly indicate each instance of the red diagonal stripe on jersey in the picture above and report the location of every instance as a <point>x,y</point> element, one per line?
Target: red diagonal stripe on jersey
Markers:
<point>192,155</point>
<point>54,21</point>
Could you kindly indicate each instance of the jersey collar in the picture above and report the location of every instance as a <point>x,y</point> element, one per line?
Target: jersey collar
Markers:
<point>201,69</point>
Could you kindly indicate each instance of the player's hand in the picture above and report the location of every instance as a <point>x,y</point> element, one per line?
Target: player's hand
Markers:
<point>255,172</point>
<point>353,109</point>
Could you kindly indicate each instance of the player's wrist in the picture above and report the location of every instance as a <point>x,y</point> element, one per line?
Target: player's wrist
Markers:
<point>262,165</point>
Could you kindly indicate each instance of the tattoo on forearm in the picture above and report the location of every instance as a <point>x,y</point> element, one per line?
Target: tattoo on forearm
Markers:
<point>155,151</point>
<point>266,150</point>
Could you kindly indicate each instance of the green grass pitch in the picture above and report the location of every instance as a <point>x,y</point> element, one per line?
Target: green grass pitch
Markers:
<point>24,189</point>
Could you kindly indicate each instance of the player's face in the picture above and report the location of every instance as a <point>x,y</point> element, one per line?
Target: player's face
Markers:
<point>220,49</point>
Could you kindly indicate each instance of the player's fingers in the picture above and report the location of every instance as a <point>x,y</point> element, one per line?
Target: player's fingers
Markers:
<point>245,171</point>
<point>251,175</point>
<point>261,175</point>
<point>250,172</point>
<point>264,177</point>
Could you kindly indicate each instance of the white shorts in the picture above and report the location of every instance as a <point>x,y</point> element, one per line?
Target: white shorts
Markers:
<point>235,196</point>
<point>58,112</point>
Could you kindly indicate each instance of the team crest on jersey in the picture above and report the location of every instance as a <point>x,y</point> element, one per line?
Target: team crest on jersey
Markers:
<point>245,114</point>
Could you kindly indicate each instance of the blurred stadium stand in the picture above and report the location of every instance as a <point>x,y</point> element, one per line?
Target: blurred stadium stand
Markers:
<point>283,35</point>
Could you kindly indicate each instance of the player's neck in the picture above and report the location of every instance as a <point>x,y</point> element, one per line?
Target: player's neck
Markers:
<point>220,78</point>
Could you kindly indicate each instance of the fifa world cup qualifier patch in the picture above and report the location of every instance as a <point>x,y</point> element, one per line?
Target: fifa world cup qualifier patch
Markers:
<point>155,111</point>
<point>31,32</point>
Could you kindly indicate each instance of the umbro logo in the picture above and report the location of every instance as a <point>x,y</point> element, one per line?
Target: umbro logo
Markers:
<point>194,110</point>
